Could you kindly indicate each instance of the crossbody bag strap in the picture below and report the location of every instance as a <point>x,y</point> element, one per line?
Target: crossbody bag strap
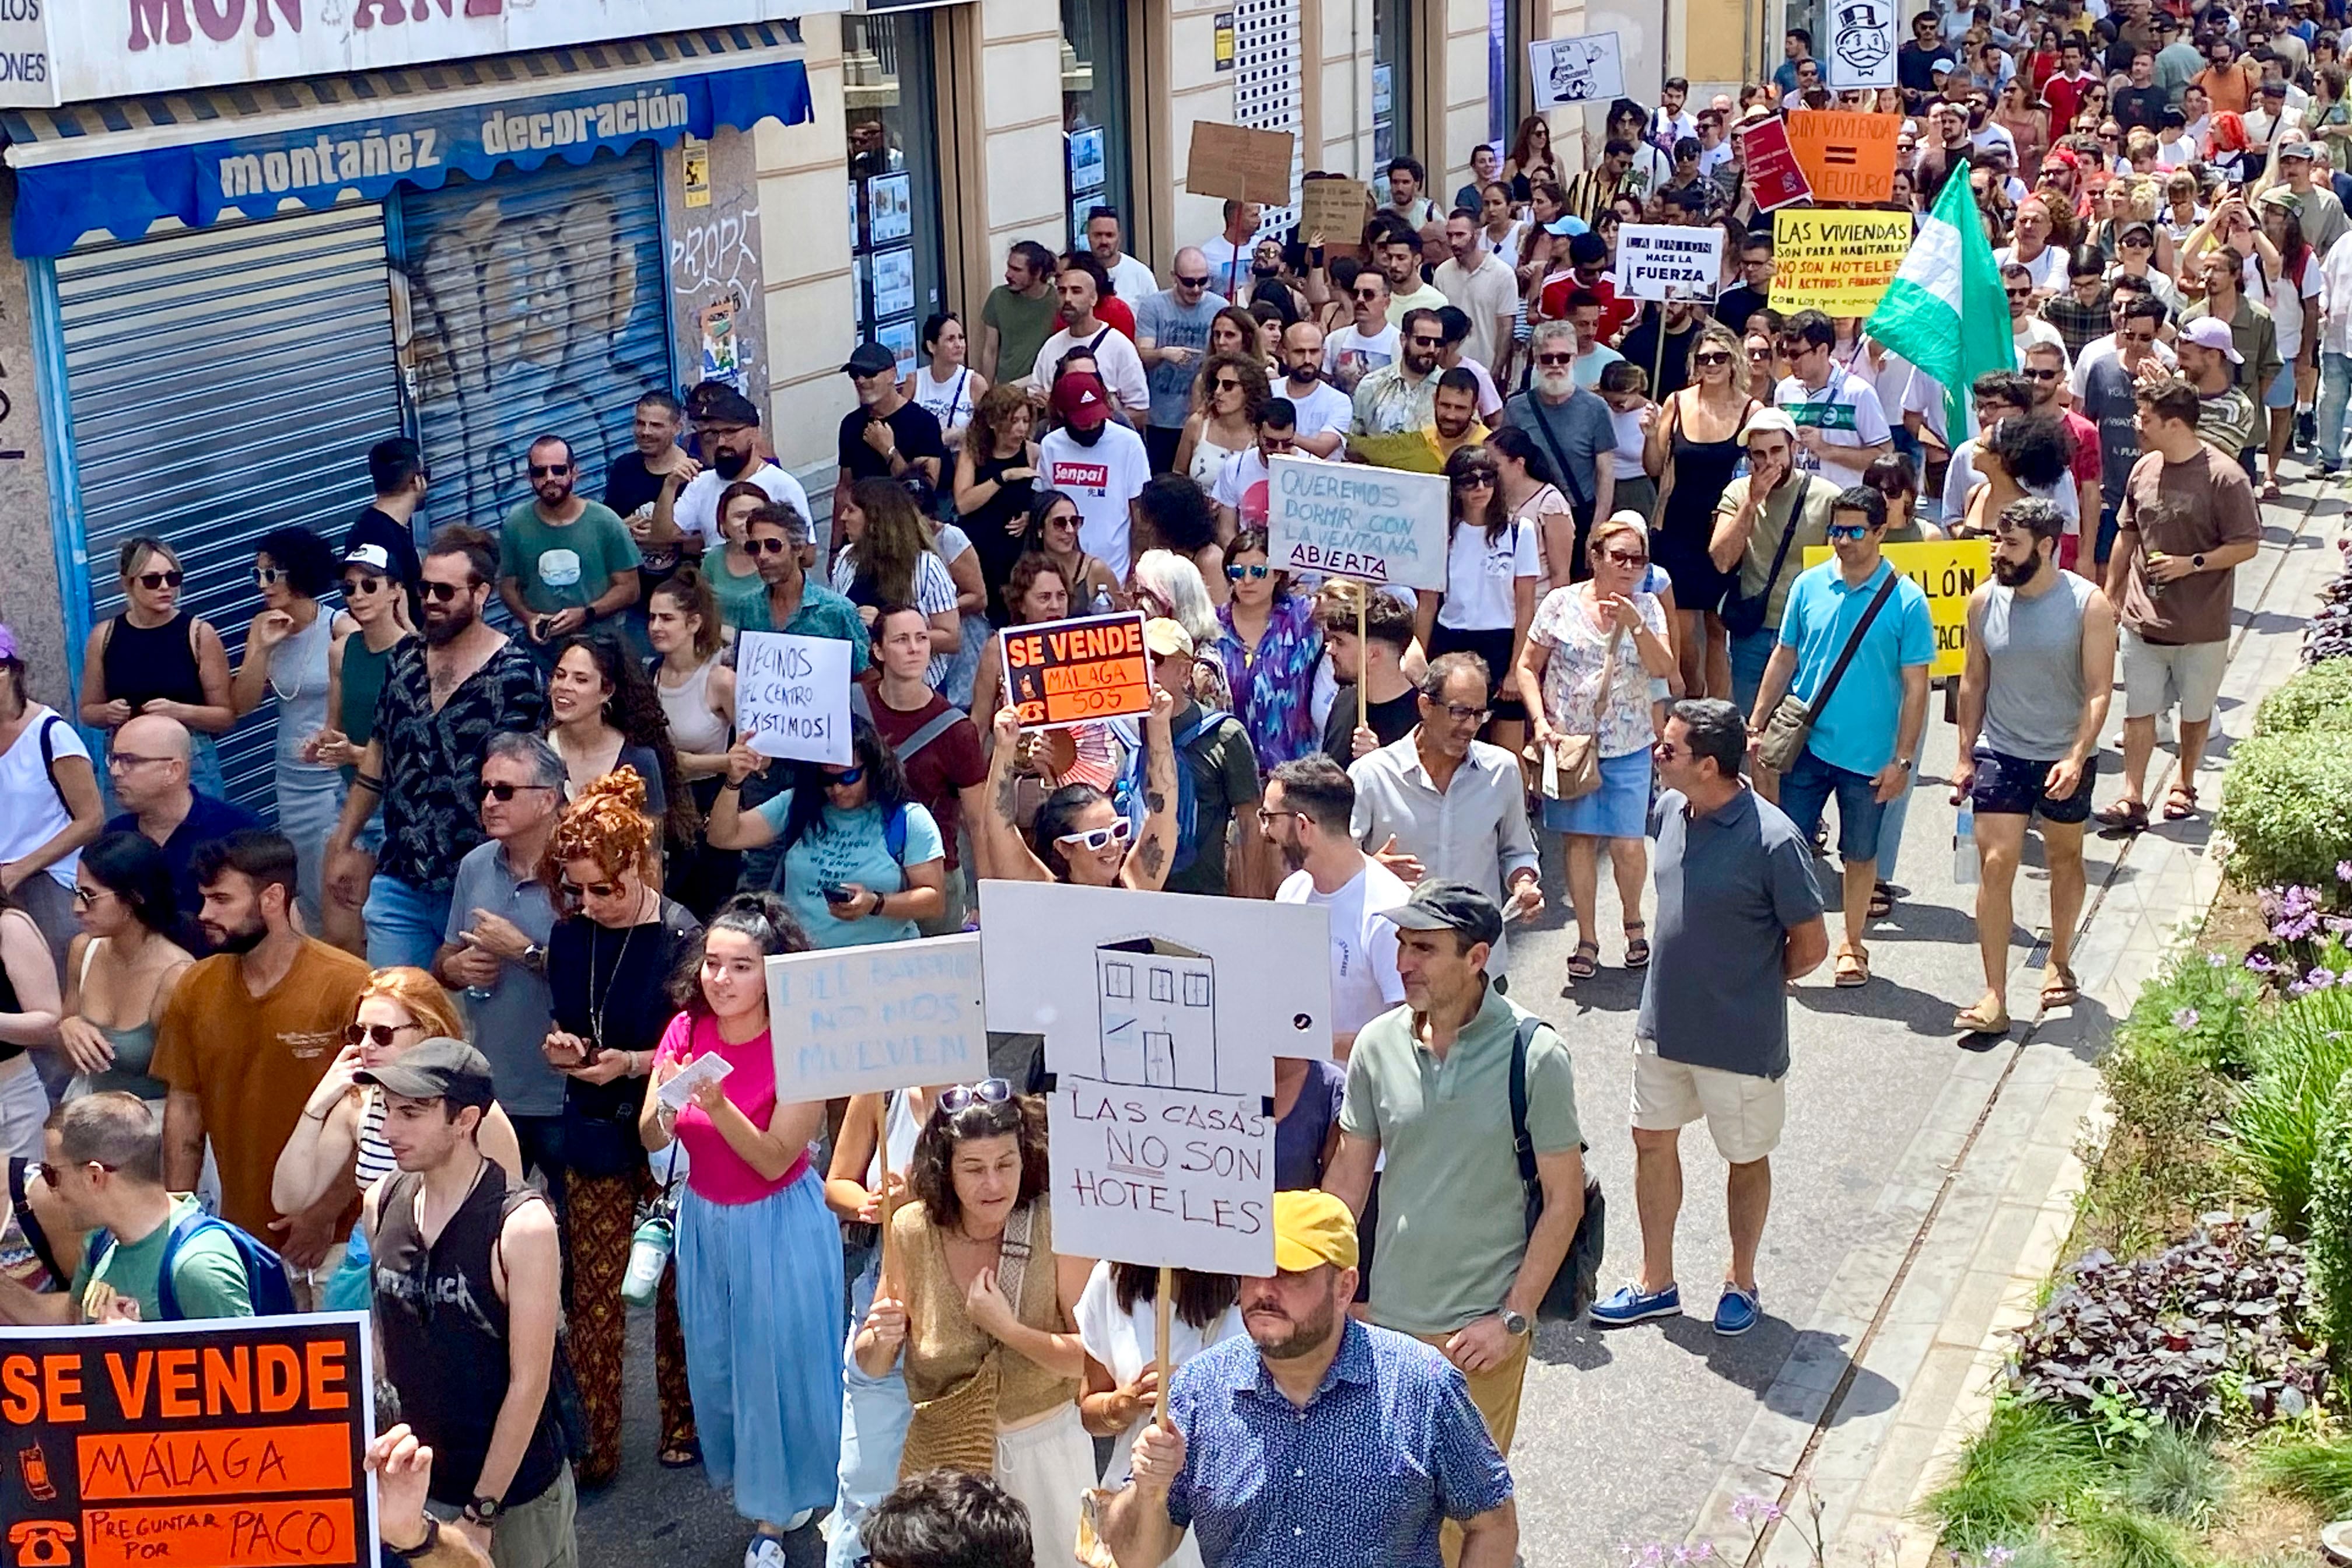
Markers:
<point>1013,1255</point>
<point>1567,474</point>
<point>1820,701</point>
<point>1608,673</point>
<point>1787,534</point>
<point>1522,1147</point>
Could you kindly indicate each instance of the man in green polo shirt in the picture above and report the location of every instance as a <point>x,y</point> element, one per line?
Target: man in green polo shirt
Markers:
<point>1428,1088</point>
<point>104,1157</point>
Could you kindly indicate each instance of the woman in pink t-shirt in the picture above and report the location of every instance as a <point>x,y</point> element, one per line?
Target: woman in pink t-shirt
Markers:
<point>758,1256</point>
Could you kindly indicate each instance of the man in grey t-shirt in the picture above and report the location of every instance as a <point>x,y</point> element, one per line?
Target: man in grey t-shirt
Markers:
<point>1172,335</point>
<point>1573,426</point>
<point>1737,919</point>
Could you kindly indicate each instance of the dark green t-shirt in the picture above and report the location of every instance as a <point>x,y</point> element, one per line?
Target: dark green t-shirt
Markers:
<point>1022,325</point>
<point>568,566</point>
<point>1224,775</point>
<point>208,1277</point>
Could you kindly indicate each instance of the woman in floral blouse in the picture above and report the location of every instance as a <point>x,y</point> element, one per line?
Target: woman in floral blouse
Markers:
<point>1269,645</point>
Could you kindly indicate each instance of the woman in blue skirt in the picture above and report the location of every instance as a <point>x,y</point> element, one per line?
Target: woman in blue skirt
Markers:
<point>758,1256</point>
<point>1592,652</point>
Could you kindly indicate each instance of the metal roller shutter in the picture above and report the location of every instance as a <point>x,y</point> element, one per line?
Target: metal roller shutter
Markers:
<point>535,307</point>
<point>225,382</point>
<point>1265,85</point>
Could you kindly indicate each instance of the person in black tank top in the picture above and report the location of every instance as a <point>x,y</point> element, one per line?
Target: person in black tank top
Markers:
<point>995,479</point>
<point>468,1284</point>
<point>156,657</point>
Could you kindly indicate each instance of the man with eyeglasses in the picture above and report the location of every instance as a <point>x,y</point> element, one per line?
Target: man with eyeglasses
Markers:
<point>1841,429</point>
<point>495,947</point>
<point>2106,391</point>
<point>1573,424</point>
<point>1366,342</point>
<point>2045,375</point>
<point>1994,396</point>
<point>1397,399</point>
<point>444,697</point>
<point>1323,412</point>
<point>149,770</point>
<point>727,429</point>
<point>889,435</point>
<point>102,1162</point>
<point>1171,334</point>
<point>1754,291</point>
<point>564,562</point>
<point>1305,817</point>
<point>2024,326</point>
<point>1441,803</point>
<point>2081,312</point>
<point>1914,61</point>
<point>1863,743</point>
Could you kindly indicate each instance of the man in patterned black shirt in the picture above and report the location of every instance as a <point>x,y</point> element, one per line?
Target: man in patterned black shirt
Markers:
<point>443,700</point>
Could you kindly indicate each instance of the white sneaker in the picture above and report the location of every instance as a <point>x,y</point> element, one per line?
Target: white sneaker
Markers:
<point>765,1551</point>
<point>798,1520</point>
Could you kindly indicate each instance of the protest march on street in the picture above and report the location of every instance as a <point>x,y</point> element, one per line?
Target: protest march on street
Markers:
<point>1019,953</point>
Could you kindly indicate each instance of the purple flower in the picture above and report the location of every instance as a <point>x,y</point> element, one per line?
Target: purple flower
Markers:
<point>2259,964</point>
<point>2344,870</point>
<point>1748,1507</point>
<point>2319,978</point>
<point>2215,961</point>
<point>2185,1019</point>
<point>1999,1556</point>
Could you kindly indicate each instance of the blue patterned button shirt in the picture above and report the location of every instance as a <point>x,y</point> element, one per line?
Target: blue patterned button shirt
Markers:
<point>1389,1446</point>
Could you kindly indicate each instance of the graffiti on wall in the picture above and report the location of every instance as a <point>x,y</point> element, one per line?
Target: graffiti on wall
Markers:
<point>710,199</point>
<point>516,320</point>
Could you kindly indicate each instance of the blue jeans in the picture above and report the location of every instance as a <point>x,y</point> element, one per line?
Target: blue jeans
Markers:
<point>1806,788</point>
<point>406,925</point>
<point>875,1415</point>
<point>1749,655</point>
<point>2334,391</point>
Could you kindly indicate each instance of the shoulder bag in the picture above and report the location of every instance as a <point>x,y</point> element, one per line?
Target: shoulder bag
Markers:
<point>956,1431</point>
<point>1785,733</point>
<point>1571,764</point>
<point>1579,504</point>
<point>1743,614</point>
<point>1578,1278</point>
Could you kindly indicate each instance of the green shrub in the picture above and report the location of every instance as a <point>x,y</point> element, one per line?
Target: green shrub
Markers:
<point>2120,1538</point>
<point>2159,1168</point>
<point>2331,1222</point>
<point>2286,807</point>
<point>2200,1006</point>
<point>2030,1464</point>
<point>2174,1476</point>
<point>2300,1052</point>
<point>2318,698</point>
<point>2317,1473</point>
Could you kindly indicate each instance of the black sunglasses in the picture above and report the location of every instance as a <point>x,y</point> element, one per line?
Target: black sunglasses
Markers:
<point>442,593</point>
<point>382,1034</point>
<point>502,793</point>
<point>1200,282</point>
<point>151,581</point>
<point>543,470</point>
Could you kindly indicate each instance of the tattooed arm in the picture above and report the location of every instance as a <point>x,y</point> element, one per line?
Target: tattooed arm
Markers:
<point>1002,848</point>
<point>1148,863</point>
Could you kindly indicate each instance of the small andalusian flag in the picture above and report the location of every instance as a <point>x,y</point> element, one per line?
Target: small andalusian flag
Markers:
<point>1946,311</point>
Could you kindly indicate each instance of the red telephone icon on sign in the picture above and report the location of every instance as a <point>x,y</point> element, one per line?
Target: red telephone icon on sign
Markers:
<point>42,1543</point>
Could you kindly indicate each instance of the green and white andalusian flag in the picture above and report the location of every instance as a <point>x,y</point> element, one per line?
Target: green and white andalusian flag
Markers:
<point>1946,311</point>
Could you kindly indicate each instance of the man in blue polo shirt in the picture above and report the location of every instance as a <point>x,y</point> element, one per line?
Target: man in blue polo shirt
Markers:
<point>148,769</point>
<point>1318,1440</point>
<point>1866,737</point>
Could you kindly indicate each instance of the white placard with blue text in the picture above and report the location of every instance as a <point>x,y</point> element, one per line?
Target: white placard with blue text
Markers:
<point>792,696</point>
<point>1347,519</point>
<point>859,1020</point>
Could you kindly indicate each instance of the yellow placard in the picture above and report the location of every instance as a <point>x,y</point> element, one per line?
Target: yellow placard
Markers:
<point>1840,262</point>
<point>1948,570</point>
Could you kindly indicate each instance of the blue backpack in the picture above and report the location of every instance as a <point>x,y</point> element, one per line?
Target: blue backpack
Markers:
<point>1128,792</point>
<point>266,1287</point>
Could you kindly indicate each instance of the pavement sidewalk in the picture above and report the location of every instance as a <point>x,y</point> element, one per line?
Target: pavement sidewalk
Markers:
<point>1983,1199</point>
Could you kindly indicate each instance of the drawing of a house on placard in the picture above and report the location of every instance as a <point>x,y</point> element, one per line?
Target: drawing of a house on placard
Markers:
<point>1159,1012</point>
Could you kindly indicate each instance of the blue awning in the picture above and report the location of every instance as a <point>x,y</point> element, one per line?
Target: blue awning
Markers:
<point>117,167</point>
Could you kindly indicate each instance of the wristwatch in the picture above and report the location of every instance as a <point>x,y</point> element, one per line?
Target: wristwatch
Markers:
<point>2197,563</point>
<point>1514,1324</point>
<point>483,1511</point>
<point>534,958</point>
<point>423,1547</point>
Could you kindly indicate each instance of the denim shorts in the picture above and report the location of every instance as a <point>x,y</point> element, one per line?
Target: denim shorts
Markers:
<point>2011,786</point>
<point>1806,788</point>
<point>2280,391</point>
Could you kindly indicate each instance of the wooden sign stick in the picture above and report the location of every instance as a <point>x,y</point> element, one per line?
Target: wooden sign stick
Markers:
<point>1160,1322</point>
<point>1363,699</point>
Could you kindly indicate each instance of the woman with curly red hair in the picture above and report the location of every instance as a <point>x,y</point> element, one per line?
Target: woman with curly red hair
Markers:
<point>609,962</point>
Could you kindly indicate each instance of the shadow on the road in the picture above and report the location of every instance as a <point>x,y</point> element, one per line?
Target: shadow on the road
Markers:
<point>1918,1011</point>
<point>2081,1031</point>
<point>1578,1344</point>
<point>1613,990</point>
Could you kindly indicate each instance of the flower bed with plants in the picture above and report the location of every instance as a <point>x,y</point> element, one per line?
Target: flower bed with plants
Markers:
<point>2177,1402</point>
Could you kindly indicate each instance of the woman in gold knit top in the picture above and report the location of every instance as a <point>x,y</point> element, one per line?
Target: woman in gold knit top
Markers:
<point>983,1310</point>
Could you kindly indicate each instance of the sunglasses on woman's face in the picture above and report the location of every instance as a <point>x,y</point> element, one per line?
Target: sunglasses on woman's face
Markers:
<point>362,587</point>
<point>380,1034</point>
<point>1063,520</point>
<point>1098,839</point>
<point>845,778</point>
<point>1625,558</point>
<point>1227,384</point>
<point>1256,574</point>
<point>595,890</point>
<point>1476,481</point>
<point>151,581</point>
<point>1713,357</point>
<point>266,576</point>
<point>963,1096</point>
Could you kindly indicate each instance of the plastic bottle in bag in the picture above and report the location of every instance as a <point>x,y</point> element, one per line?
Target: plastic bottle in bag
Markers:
<point>649,1253</point>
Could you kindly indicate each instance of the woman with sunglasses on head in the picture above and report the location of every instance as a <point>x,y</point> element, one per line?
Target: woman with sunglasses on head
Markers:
<point>120,970</point>
<point>609,964</point>
<point>1228,393</point>
<point>862,861</point>
<point>759,1257</point>
<point>1078,835</point>
<point>156,657</point>
<point>1270,646</point>
<point>1694,451</point>
<point>1592,653</point>
<point>977,1295</point>
<point>365,635</point>
<point>1491,567</point>
<point>341,1127</point>
<point>1054,534</point>
<point>288,653</point>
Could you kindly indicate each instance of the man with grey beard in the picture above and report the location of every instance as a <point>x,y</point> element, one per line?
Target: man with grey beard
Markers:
<point>1574,427</point>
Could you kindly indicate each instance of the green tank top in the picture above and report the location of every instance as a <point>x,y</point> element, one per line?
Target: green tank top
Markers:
<point>742,598</point>
<point>363,670</point>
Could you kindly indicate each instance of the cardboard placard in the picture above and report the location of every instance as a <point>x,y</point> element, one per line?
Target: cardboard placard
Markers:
<point>228,1440</point>
<point>1846,156</point>
<point>1380,525</point>
<point>1337,207</point>
<point>1059,673</point>
<point>792,696</point>
<point>1862,44</point>
<point>1948,570</point>
<point>1840,262</point>
<point>1774,175</point>
<point>1575,71</point>
<point>1239,162</point>
<point>1669,261</point>
<point>1162,1176</point>
<point>858,1020</point>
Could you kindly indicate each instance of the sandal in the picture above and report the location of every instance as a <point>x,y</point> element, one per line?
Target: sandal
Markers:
<point>1974,1020</point>
<point>2059,988</point>
<point>2124,816</point>
<point>681,1456</point>
<point>1637,948</point>
<point>1882,901</point>
<point>2270,491</point>
<point>1853,967</point>
<point>1585,962</point>
<point>2179,803</point>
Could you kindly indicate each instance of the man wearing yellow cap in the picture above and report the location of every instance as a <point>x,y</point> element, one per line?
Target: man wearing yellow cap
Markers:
<point>1320,1440</point>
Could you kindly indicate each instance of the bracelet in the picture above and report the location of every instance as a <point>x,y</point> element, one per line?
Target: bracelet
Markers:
<point>730,783</point>
<point>368,782</point>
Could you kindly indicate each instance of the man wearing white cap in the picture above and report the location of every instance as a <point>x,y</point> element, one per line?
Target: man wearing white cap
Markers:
<point>2208,362</point>
<point>1763,525</point>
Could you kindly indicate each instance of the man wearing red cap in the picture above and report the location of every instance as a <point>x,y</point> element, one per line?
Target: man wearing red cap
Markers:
<point>1099,463</point>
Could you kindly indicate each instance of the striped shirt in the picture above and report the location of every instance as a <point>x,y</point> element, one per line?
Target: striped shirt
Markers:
<point>375,1159</point>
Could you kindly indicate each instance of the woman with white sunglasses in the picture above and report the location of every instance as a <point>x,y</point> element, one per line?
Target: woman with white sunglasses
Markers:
<point>1079,835</point>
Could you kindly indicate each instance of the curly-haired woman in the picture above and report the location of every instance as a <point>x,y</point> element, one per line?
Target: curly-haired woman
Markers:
<point>603,713</point>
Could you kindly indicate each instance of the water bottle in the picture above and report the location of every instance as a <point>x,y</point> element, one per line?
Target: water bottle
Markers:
<point>1102,605</point>
<point>649,1253</point>
<point>1964,846</point>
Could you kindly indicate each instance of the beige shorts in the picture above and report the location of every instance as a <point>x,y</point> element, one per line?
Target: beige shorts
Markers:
<point>2157,675</point>
<point>1743,1113</point>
